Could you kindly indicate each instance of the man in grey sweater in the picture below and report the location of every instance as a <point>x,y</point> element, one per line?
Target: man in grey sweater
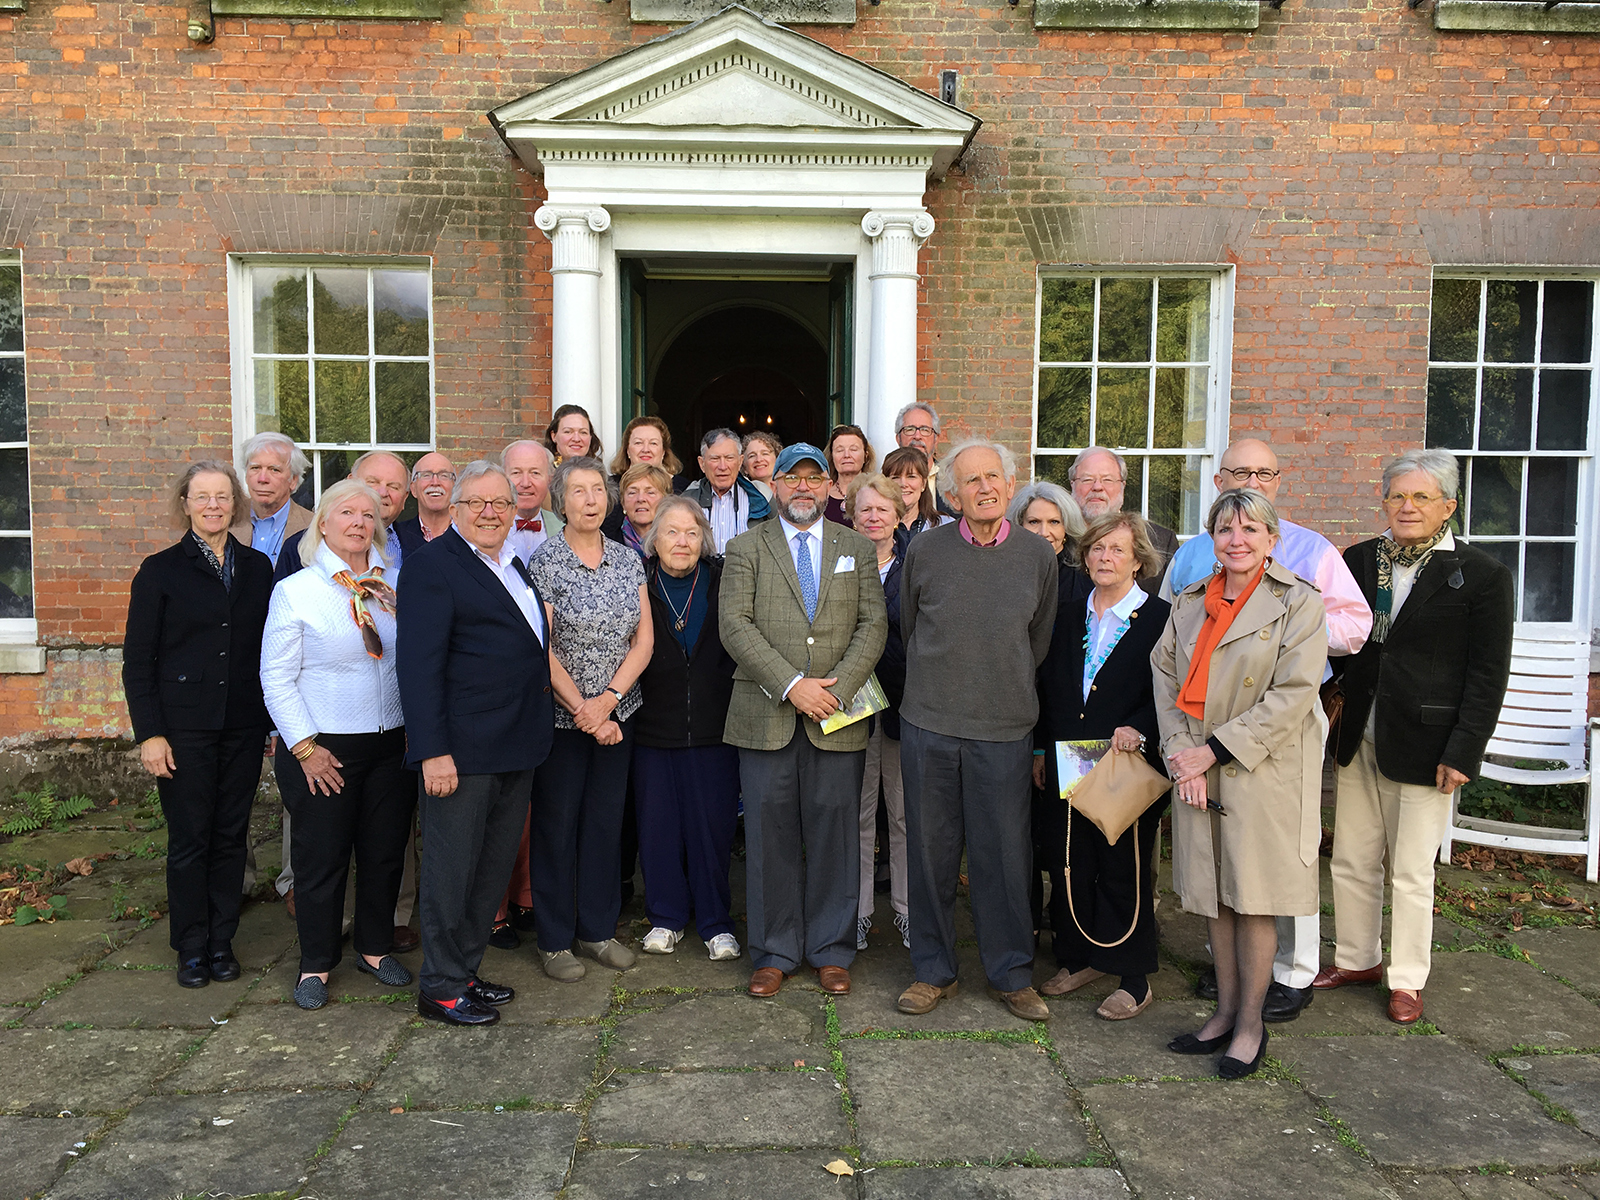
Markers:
<point>977,604</point>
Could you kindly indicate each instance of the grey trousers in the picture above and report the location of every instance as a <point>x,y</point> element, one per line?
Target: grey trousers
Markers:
<point>801,810</point>
<point>470,841</point>
<point>974,793</point>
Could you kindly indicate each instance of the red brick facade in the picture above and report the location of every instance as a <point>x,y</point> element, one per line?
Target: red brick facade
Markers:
<point>1333,158</point>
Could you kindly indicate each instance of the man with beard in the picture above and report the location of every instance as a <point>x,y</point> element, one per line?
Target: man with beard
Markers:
<point>802,614</point>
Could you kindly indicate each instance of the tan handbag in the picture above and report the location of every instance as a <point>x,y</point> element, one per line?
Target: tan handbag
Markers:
<point>1114,795</point>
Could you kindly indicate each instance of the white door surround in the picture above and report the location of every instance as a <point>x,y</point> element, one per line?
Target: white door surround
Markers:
<point>734,138</point>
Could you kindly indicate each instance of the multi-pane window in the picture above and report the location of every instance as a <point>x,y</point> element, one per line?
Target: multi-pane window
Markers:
<point>16,532</point>
<point>1130,362</point>
<point>1511,381</point>
<point>341,360</point>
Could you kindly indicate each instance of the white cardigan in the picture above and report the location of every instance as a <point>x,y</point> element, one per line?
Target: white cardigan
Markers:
<point>315,672</point>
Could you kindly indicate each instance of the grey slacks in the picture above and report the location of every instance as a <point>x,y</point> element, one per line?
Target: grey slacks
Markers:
<point>802,806</point>
<point>469,840</point>
<point>960,791</point>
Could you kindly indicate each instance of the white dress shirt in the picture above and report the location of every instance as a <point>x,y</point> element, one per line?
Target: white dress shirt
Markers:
<point>505,571</point>
<point>729,515</point>
<point>524,542</point>
<point>316,674</point>
<point>791,535</point>
<point>1100,630</point>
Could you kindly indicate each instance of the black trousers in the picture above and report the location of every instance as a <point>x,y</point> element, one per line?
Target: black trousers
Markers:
<point>207,807</point>
<point>1049,857</point>
<point>371,817</point>
<point>575,845</point>
<point>469,843</point>
<point>1104,895</point>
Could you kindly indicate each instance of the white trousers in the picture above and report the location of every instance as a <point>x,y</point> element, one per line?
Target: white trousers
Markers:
<point>883,763</point>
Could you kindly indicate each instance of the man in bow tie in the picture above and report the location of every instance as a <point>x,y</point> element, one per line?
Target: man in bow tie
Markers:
<point>529,467</point>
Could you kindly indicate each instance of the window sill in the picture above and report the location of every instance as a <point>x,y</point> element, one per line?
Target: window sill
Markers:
<point>785,12</point>
<point>21,659</point>
<point>13,5</point>
<point>1138,14</point>
<point>397,10</point>
<point>1516,16</point>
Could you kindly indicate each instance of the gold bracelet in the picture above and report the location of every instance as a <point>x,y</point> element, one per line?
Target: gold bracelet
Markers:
<point>310,749</point>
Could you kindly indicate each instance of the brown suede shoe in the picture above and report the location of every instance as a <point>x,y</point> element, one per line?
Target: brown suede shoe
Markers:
<point>1026,1003</point>
<point>1337,977</point>
<point>405,940</point>
<point>1405,1007</point>
<point>765,982</point>
<point>1121,1006</point>
<point>922,998</point>
<point>1064,981</point>
<point>834,980</point>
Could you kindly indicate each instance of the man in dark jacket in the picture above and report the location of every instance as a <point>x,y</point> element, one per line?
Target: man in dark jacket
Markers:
<point>731,502</point>
<point>1421,700</point>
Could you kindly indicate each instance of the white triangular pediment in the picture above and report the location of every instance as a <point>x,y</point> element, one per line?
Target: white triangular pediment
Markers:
<point>736,88</point>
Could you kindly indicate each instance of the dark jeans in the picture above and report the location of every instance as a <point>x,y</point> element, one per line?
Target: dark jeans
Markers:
<point>1103,896</point>
<point>574,850</point>
<point>207,806</point>
<point>370,816</point>
<point>688,808</point>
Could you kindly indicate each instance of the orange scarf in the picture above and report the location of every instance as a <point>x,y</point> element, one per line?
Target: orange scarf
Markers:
<point>1219,615</point>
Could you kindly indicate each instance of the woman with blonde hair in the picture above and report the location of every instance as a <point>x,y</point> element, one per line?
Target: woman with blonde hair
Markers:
<point>640,490</point>
<point>646,440</point>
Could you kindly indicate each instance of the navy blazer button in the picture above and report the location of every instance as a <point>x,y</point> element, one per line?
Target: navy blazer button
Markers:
<point>547,687</point>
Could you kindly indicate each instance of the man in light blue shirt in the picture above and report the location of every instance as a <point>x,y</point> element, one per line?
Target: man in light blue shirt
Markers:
<point>273,469</point>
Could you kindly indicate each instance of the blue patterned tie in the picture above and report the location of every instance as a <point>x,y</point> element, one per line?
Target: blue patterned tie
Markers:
<point>808,579</point>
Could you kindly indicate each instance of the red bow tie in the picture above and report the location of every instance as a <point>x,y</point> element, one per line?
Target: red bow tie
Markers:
<point>534,523</point>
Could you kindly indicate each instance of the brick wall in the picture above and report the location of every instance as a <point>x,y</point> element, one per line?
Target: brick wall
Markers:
<point>1332,157</point>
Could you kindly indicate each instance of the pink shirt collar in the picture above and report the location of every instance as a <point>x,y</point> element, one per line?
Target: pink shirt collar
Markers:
<point>966,533</point>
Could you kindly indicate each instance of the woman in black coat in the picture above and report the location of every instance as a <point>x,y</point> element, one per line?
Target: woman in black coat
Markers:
<point>191,670</point>
<point>685,778</point>
<point>1096,683</point>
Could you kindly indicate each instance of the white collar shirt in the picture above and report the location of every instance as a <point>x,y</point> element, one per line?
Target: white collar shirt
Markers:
<point>526,541</point>
<point>505,570</point>
<point>813,543</point>
<point>1102,633</point>
<point>729,515</point>
<point>1405,578</point>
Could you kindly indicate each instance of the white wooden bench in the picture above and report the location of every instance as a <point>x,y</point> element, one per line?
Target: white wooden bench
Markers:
<point>1545,716</point>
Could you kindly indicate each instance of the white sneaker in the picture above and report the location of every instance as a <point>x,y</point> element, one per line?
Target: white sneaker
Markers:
<point>863,927</point>
<point>903,923</point>
<point>661,940</point>
<point>724,947</point>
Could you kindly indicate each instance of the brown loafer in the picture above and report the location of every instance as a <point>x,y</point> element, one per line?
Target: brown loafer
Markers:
<point>1121,1006</point>
<point>1064,981</point>
<point>1027,1004</point>
<point>922,998</point>
<point>405,940</point>
<point>1405,1007</point>
<point>1337,977</point>
<point>834,980</point>
<point>765,981</point>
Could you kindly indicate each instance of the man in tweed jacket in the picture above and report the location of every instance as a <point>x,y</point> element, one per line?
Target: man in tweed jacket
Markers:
<point>802,614</point>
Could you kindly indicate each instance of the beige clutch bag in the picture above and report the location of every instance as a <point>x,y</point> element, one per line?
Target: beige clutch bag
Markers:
<point>1117,790</point>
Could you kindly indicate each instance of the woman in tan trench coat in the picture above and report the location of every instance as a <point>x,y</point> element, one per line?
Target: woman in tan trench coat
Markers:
<point>1242,729</point>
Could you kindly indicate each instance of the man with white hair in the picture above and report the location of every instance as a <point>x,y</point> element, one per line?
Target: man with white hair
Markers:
<point>530,467</point>
<point>1099,478</point>
<point>388,476</point>
<point>273,469</point>
<point>977,606</point>
<point>916,427</point>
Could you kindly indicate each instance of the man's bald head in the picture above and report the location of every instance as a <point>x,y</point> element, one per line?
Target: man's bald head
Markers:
<point>1243,457</point>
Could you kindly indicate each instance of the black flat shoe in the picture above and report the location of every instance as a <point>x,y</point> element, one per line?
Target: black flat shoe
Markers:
<point>1237,1068</point>
<point>224,966</point>
<point>503,937</point>
<point>310,993</point>
<point>485,992</point>
<point>1284,1003</point>
<point>1187,1043</point>
<point>194,972</point>
<point>388,971</point>
<point>1206,986</point>
<point>522,919</point>
<point>467,1011</point>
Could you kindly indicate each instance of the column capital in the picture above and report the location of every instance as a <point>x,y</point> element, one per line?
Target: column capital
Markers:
<point>896,238</point>
<point>574,232</point>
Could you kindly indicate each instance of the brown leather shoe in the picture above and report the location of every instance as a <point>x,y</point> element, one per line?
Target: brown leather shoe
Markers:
<point>834,980</point>
<point>765,981</point>
<point>1337,977</point>
<point>1405,1007</point>
<point>1026,1003</point>
<point>404,940</point>
<point>1065,981</point>
<point>288,903</point>
<point>922,998</point>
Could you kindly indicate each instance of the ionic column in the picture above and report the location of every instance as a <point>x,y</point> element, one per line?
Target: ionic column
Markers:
<point>574,235</point>
<point>892,349</point>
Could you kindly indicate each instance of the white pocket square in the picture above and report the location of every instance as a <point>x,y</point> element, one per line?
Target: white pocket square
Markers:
<point>845,562</point>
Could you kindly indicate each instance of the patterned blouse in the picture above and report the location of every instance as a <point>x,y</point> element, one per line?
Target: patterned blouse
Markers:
<point>596,613</point>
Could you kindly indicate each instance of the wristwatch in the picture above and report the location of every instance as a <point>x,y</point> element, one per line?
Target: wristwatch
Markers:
<point>615,693</point>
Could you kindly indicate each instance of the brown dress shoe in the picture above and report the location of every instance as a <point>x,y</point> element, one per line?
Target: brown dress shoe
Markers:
<point>288,903</point>
<point>834,980</point>
<point>765,981</point>
<point>922,998</point>
<point>1405,1007</point>
<point>404,940</point>
<point>1065,981</point>
<point>1027,1004</point>
<point>1337,977</point>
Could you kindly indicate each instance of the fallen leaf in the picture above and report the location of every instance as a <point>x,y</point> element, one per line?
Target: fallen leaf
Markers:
<point>397,1109</point>
<point>799,1062</point>
<point>839,1167</point>
<point>81,866</point>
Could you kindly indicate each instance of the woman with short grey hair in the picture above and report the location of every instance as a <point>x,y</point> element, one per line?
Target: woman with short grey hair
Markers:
<point>1049,510</point>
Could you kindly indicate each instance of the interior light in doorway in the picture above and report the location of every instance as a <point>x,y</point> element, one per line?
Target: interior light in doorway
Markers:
<point>741,418</point>
<point>769,418</point>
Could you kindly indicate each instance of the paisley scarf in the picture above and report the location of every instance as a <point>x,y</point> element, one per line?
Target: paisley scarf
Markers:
<point>363,588</point>
<point>1392,554</point>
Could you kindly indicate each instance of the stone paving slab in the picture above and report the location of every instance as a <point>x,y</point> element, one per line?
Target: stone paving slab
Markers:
<point>733,1110</point>
<point>1571,1081</point>
<point>876,984</point>
<point>1429,1102</point>
<point>987,1183</point>
<point>36,956</point>
<point>642,1174</point>
<point>1356,1009</point>
<point>1167,984</point>
<point>83,1070</point>
<point>1245,1140</point>
<point>1092,1050</point>
<point>266,931</point>
<point>725,1031</point>
<point>440,1067</point>
<point>1571,953</point>
<point>687,966</point>
<point>928,1101</point>
<point>414,1156</point>
<point>36,1148</point>
<point>1495,1004</point>
<point>172,1146</point>
<point>141,999</point>
<point>263,1048</point>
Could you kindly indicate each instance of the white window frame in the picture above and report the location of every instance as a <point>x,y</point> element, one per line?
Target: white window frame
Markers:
<point>243,356</point>
<point>21,630</point>
<point>1585,564</point>
<point>1218,380</point>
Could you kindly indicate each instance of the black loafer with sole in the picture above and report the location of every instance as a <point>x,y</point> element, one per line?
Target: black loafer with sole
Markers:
<point>194,972</point>
<point>467,1011</point>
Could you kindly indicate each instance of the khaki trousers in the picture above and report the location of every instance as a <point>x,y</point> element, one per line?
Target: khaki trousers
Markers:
<point>1376,818</point>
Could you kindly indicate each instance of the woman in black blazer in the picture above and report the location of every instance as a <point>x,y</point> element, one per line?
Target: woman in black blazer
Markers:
<point>191,670</point>
<point>1096,683</point>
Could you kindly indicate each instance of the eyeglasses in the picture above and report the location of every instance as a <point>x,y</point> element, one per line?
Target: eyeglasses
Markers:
<point>441,476</point>
<point>1104,481</point>
<point>1420,499</point>
<point>815,482</point>
<point>477,504</point>
<point>1264,474</point>
<point>916,429</point>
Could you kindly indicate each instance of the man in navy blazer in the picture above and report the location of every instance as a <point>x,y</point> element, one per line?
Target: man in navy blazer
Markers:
<point>474,668</point>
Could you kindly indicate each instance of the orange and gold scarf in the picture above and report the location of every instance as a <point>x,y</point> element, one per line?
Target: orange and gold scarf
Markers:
<point>363,588</point>
<point>1219,615</point>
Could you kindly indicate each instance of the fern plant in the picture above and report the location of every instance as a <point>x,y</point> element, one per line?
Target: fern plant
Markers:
<point>43,808</point>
